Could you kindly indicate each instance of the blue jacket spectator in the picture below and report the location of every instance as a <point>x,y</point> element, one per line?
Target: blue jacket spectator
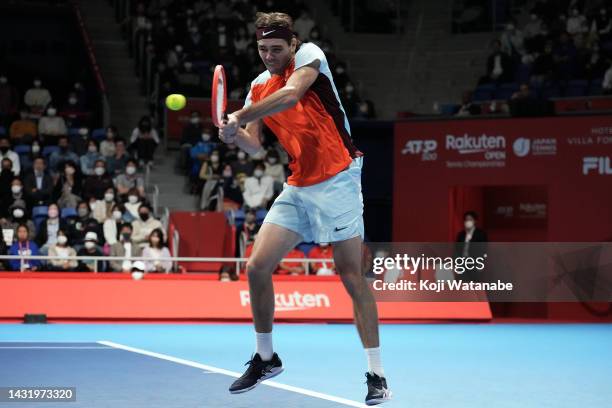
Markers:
<point>63,155</point>
<point>24,246</point>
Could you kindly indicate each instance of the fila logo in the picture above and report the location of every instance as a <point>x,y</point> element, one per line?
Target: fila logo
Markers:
<point>600,165</point>
<point>267,32</point>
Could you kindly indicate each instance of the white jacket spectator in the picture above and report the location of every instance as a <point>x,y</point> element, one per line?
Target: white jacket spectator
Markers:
<point>303,25</point>
<point>275,170</point>
<point>9,154</point>
<point>577,23</point>
<point>37,97</point>
<point>153,264</point>
<point>258,190</point>
<point>607,81</point>
<point>144,225</point>
<point>52,124</point>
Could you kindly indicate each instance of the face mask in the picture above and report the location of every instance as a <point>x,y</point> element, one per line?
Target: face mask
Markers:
<point>62,239</point>
<point>70,171</point>
<point>130,170</point>
<point>92,149</point>
<point>18,213</point>
<point>195,121</point>
<point>206,137</point>
<point>272,160</point>
<point>258,173</point>
<point>126,236</point>
<point>77,85</point>
<point>534,17</point>
<point>214,159</point>
<point>241,155</point>
<point>144,216</point>
<point>3,80</point>
<point>83,212</point>
<point>4,149</point>
<point>37,84</point>
<point>35,148</point>
<point>339,71</point>
<point>178,49</point>
<point>133,199</point>
<point>16,189</point>
<point>99,171</point>
<point>52,213</point>
<point>117,215</point>
<point>469,224</point>
<point>90,245</point>
<point>72,101</point>
<point>110,135</point>
<point>51,112</point>
<point>349,89</point>
<point>227,174</point>
<point>109,197</point>
<point>83,131</point>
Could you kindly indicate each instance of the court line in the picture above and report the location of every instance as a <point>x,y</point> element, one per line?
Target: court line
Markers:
<point>229,373</point>
<point>58,347</point>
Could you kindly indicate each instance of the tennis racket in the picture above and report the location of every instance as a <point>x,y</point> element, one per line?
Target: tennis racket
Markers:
<point>219,96</point>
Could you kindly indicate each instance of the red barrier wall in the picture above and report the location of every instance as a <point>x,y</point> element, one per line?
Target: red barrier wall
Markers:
<point>560,170</point>
<point>118,296</point>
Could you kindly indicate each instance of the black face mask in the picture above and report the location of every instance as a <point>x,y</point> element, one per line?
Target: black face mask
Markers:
<point>126,236</point>
<point>144,216</point>
<point>4,149</point>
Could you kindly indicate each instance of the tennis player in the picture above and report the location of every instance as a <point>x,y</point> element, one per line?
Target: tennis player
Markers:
<point>321,201</point>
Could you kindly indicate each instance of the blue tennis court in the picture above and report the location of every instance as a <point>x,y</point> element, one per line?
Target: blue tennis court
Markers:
<point>184,365</point>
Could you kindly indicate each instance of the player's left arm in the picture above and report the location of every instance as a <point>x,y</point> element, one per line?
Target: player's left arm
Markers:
<point>285,98</point>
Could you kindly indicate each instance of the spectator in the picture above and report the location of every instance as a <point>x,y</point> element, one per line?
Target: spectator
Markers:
<point>512,41</point>
<point>499,65</point>
<point>90,248</point>
<point>229,153</point>
<point>117,163</point>
<point>68,189</point>
<point>24,246</point>
<point>129,180</point>
<point>37,98</point>
<point>232,193</point>
<point>38,184</point>
<point>24,129</point>
<point>349,98</point>
<point>18,212</point>
<point>576,23</point>
<point>200,151</point>
<point>242,41</point>
<point>14,193</point>
<point>51,127</point>
<point>3,251</point>
<point>242,165</point>
<point>80,145</point>
<point>155,251</point>
<point>607,81</point>
<point>6,152</point>
<point>62,249</point>
<point>275,169</point>
<point>303,25</point>
<point>543,66</point>
<point>210,174</point>
<point>98,183</point>
<point>82,224</point>
<point>6,178</point>
<point>601,27</point>
<point>133,203</point>
<point>292,267</point>
<point>144,225</point>
<point>124,247</point>
<point>144,140</point>
<point>101,210</point>
<point>522,93</point>
<point>250,227</point>
<point>596,65</point>
<point>89,160</point>
<point>190,136</point>
<point>74,111</point>
<point>322,251</point>
<point>112,225</point>
<point>470,233</point>
<point>564,55</point>
<point>8,99</point>
<point>48,229</point>
<point>63,155</point>
<point>258,189</point>
<point>107,147</point>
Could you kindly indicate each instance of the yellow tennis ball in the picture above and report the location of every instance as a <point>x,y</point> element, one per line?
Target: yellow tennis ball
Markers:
<point>176,101</point>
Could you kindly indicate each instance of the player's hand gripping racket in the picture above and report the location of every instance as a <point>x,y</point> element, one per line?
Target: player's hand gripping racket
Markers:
<point>219,96</point>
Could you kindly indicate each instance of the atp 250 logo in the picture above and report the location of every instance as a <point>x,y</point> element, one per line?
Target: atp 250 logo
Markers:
<point>425,148</point>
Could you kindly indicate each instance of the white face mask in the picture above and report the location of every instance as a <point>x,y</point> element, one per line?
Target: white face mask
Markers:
<point>90,245</point>
<point>206,137</point>
<point>258,173</point>
<point>272,160</point>
<point>18,213</point>
<point>117,215</point>
<point>133,199</point>
<point>3,80</point>
<point>92,149</point>
<point>37,83</point>
<point>35,148</point>
<point>109,197</point>
<point>83,131</point>
<point>469,224</point>
<point>241,155</point>
<point>62,239</point>
<point>227,174</point>
<point>214,159</point>
<point>99,171</point>
<point>51,112</point>
<point>72,101</point>
<point>195,120</point>
<point>16,189</point>
<point>130,170</point>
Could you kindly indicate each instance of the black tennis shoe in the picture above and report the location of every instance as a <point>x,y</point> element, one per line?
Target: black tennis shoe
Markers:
<point>377,390</point>
<point>257,372</point>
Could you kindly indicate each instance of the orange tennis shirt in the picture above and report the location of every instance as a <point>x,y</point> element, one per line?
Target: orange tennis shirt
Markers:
<point>315,132</point>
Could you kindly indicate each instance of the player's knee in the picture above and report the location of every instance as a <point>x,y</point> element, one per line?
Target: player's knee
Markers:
<point>256,270</point>
<point>353,281</point>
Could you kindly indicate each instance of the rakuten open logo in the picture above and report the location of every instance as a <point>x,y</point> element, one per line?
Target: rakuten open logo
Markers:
<point>285,302</point>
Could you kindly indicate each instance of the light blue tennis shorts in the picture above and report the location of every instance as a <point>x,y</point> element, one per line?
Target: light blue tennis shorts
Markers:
<point>329,211</point>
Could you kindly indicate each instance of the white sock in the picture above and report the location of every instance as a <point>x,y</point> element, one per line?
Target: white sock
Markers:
<point>374,361</point>
<point>264,345</point>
